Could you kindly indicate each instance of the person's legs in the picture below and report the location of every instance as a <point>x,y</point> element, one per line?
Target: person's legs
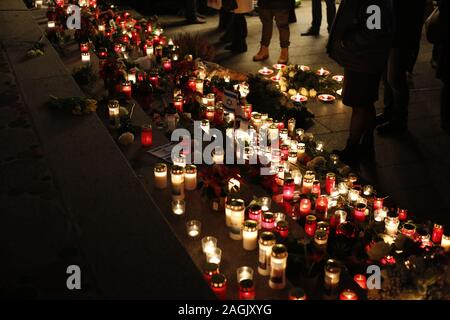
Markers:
<point>224,19</point>
<point>228,35</point>
<point>238,43</point>
<point>282,21</point>
<point>191,10</point>
<point>316,15</point>
<point>331,13</point>
<point>266,16</point>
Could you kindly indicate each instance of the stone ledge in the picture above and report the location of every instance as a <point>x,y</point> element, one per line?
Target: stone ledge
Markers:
<point>129,245</point>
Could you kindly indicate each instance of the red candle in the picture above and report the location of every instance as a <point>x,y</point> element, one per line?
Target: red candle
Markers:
<point>359,213</point>
<point>219,286</point>
<point>361,280</point>
<point>102,53</point>
<point>84,47</point>
<point>248,109</point>
<point>218,115</point>
<point>268,221</point>
<point>316,188</point>
<point>279,124</point>
<point>322,204</point>
<point>255,213</point>
<point>154,79</point>
<point>402,214</point>
<point>246,290</point>
<point>126,89</point>
<point>438,232</point>
<point>288,189</point>
<point>192,84</point>
<point>330,183</point>
<point>284,148</point>
<point>209,114</point>
<point>146,135</point>
<point>282,228</point>
<point>118,48</point>
<point>310,225</point>
<point>377,203</point>
<point>409,230</point>
<point>305,206</point>
<point>210,270</point>
<point>297,294</point>
<point>125,39</point>
<point>167,64</point>
<point>178,103</point>
<point>348,295</point>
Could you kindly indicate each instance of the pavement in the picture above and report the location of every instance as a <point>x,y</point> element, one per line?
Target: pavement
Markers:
<point>413,169</point>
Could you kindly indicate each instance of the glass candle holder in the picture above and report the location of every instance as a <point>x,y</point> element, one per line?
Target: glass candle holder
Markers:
<point>214,256</point>
<point>266,203</point>
<point>178,207</point>
<point>244,273</point>
<point>247,289</point>
<point>193,228</point>
<point>359,212</point>
<point>315,190</point>
<point>177,179</point>
<point>237,217</point>
<point>273,133</point>
<point>292,157</point>
<point>445,242</point>
<point>409,230</point>
<point>234,185</point>
<point>332,274</point>
<point>324,226</point>
<point>114,113</point>
<point>146,135</point>
<point>305,206</point>
<point>219,286</point>
<point>279,216</point>
<point>391,223</point>
<point>268,221</point>
<point>343,188</point>
<point>301,150</point>
<point>210,270</point>
<point>380,214</point>
<point>190,177</point>
<point>297,176</point>
<point>308,180</point>
<point>209,113</point>
<point>180,160</point>
<point>284,134</point>
<point>291,127</point>
<point>199,86</point>
<point>284,148</point>
<point>288,189</point>
<point>361,280</point>
<point>340,216</point>
<point>127,89</point>
<point>378,203</point>
<point>330,182</point>
<point>353,195</point>
<point>209,243</point>
<point>266,241</point>
<point>278,262</point>
<point>438,232</point>
<point>321,204</point>
<point>250,235</point>
<point>255,214</point>
<point>320,238</point>
<point>402,214</point>
<point>297,294</point>
<point>178,103</point>
<point>367,190</point>
<point>310,225</point>
<point>160,172</point>
<point>282,228</point>
<point>218,158</point>
<point>218,115</point>
<point>348,295</point>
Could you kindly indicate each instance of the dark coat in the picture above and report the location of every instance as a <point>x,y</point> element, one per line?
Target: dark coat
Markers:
<point>443,70</point>
<point>275,4</point>
<point>356,47</point>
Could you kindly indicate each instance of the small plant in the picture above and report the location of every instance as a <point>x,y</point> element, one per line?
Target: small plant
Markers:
<point>84,75</point>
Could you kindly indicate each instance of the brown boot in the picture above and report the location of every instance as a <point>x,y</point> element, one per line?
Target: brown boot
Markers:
<point>284,56</point>
<point>262,54</point>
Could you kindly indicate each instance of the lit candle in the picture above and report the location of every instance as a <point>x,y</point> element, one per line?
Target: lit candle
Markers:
<point>409,230</point>
<point>265,203</point>
<point>210,270</point>
<point>214,256</point>
<point>445,242</point>
<point>273,132</point>
<point>402,214</point>
<point>218,115</point>
<point>282,228</point>
<point>85,57</point>
<point>297,294</point>
<point>377,203</point>
<point>320,238</point>
<point>367,190</point>
<point>288,189</point>
<point>438,232</point>
<point>353,195</point>
<point>38,3</point>
<point>298,98</point>
<point>114,113</point>
<point>219,286</point>
<point>149,50</point>
<point>321,204</point>
<point>178,102</point>
<point>180,160</point>
<point>237,217</point>
<point>322,72</point>
<point>234,185</point>
<point>341,216</point>
<point>338,78</point>
<point>246,290</point>
<point>391,223</point>
<point>265,71</point>
<point>343,188</point>
<point>332,273</point>
<point>266,241</point>
<point>199,86</point>
<point>205,126</point>
<point>361,280</point>
<point>250,235</point>
<point>190,177</point>
<point>380,214</point>
<point>160,172</point>
<point>359,212</point>
<point>268,221</point>
<point>348,295</point>
<point>255,214</point>
<point>209,114</point>
<point>84,47</point>
<point>209,243</point>
<point>146,135</point>
<point>297,176</point>
<point>310,225</point>
<point>193,228</point>
<point>178,207</point>
<point>301,149</point>
<point>315,190</point>
<point>101,27</point>
<point>51,24</point>
<point>283,136</point>
<point>247,111</point>
<point>292,157</point>
<point>305,206</point>
<point>308,180</point>
<point>192,84</point>
<point>153,78</point>
<point>330,183</point>
<point>177,179</point>
<point>244,273</point>
<point>320,146</point>
<point>126,89</point>
<point>278,262</point>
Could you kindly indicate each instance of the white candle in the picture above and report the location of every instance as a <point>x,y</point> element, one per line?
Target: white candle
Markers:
<point>297,176</point>
<point>445,242</point>
<point>51,24</point>
<point>39,3</point>
<point>278,262</point>
<point>190,177</point>
<point>149,50</point>
<point>85,57</point>
<point>308,181</point>
<point>391,223</point>
<point>209,243</point>
<point>218,156</point>
<point>234,185</point>
<point>265,203</point>
<point>214,256</point>
<point>250,235</point>
<point>273,133</point>
<point>177,179</point>
<point>193,228</point>
<point>237,217</point>
<point>244,273</point>
<point>380,214</point>
<point>332,273</point>
<point>160,176</point>
<point>266,241</point>
<point>178,207</point>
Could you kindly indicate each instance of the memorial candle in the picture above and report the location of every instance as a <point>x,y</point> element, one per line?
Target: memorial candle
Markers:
<point>51,24</point>
<point>315,190</point>
<point>391,223</point>
<point>193,228</point>
<point>167,64</point>
<point>192,84</point>
<point>266,241</point>
<point>278,262</point>
<point>438,232</point>
<point>237,217</point>
<point>85,57</point>
<point>218,156</point>
<point>255,214</point>
<point>190,177</point>
<point>209,114</point>
<point>297,176</point>
<point>218,115</point>
<point>146,135</point>
<point>288,189</point>
<point>126,89</point>
<point>160,172</point>
<point>178,207</point>
<point>199,86</point>
<point>332,274</point>
<point>178,103</point>
<point>265,203</point>
<point>402,214</point>
<point>320,238</point>
<point>377,203</point>
<point>297,294</point>
<point>310,225</point>
<point>114,113</point>
<point>153,78</point>
<point>250,235</point>
<point>321,204</point>
<point>305,206</point>
<point>282,228</point>
<point>209,243</point>
<point>348,295</point>
<point>445,242</point>
<point>361,280</point>
<point>268,221</point>
<point>177,179</point>
<point>219,286</point>
<point>291,127</point>
<point>359,212</point>
<point>308,180</point>
<point>246,290</point>
<point>214,256</point>
<point>210,270</point>
<point>84,47</point>
<point>273,133</point>
<point>330,183</point>
<point>409,230</point>
<point>292,157</point>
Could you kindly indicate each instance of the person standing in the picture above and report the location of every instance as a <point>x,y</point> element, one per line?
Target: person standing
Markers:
<point>314,30</point>
<point>239,26</point>
<point>268,10</point>
<point>360,43</point>
<point>402,57</point>
<point>192,15</point>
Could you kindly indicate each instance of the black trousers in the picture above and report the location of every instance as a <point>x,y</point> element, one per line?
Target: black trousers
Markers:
<point>239,31</point>
<point>317,13</point>
<point>190,9</point>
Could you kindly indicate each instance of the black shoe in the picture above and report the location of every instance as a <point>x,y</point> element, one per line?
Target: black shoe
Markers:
<point>236,49</point>
<point>392,128</point>
<point>196,21</point>
<point>225,39</point>
<point>382,118</point>
<point>350,155</point>
<point>311,32</point>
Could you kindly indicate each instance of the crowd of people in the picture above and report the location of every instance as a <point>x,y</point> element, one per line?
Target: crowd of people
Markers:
<point>375,41</point>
